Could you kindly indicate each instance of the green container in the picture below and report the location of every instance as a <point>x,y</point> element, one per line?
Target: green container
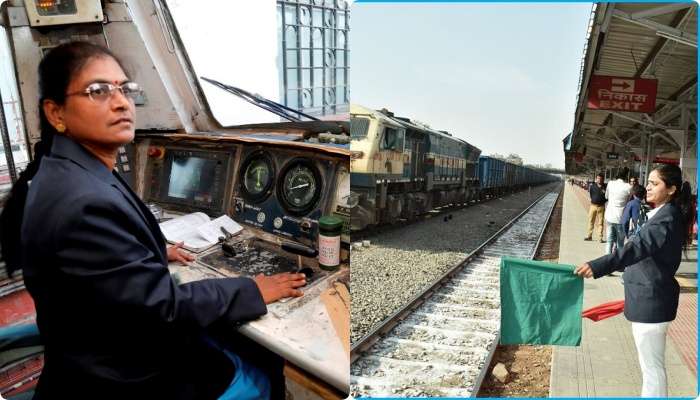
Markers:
<point>329,229</point>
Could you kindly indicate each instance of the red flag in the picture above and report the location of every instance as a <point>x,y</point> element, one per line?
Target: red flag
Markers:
<point>604,311</point>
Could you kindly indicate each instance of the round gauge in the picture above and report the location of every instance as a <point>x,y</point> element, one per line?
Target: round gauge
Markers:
<point>300,186</point>
<point>257,177</point>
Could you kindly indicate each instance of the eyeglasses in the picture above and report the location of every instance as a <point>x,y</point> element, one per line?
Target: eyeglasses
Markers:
<point>102,91</point>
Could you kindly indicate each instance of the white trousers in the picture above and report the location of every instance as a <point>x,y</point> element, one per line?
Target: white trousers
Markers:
<point>650,340</point>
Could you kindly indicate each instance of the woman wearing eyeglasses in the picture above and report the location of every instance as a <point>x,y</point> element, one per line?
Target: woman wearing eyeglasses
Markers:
<point>113,322</point>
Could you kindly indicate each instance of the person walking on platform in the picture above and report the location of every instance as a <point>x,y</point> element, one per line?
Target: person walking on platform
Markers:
<point>634,183</point>
<point>650,260</point>
<point>630,220</point>
<point>617,193</point>
<point>597,208</point>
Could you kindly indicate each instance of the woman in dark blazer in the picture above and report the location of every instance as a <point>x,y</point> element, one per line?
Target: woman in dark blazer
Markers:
<point>113,322</point>
<point>650,260</point>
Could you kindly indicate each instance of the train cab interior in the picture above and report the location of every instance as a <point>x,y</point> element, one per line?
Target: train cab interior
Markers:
<point>247,198</point>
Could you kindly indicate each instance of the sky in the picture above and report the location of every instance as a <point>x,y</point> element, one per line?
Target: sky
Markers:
<point>502,76</point>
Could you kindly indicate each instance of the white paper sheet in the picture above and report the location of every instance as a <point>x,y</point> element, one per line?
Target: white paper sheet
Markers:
<point>184,229</point>
<point>177,229</point>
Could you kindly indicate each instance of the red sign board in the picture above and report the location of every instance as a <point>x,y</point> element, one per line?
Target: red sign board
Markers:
<point>622,94</point>
<point>662,160</point>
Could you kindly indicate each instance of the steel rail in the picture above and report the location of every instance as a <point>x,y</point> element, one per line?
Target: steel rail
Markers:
<point>549,217</point>
<point>388,323</point>
<point>397,318</point>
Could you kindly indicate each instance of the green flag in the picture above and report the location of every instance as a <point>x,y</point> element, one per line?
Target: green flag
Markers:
<point>540,303</point>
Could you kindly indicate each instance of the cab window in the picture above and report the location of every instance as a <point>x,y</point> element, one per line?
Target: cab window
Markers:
<point>392,139</point>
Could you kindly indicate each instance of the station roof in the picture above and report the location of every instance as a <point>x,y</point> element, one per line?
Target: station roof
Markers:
<point>637,40</point>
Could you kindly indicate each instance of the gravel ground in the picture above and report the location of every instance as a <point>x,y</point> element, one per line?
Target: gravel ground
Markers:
<point>399,263</point>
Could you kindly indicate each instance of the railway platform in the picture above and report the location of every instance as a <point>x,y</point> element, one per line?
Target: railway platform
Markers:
<point>606,365</point>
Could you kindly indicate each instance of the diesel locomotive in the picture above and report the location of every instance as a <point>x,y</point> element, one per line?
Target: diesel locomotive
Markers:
<point>401,168</point>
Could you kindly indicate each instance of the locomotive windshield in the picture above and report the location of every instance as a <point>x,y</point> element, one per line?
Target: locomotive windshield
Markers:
<point>359,127</point>
<point>294,53</point>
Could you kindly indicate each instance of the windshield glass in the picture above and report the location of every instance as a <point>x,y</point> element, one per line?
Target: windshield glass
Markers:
<point>359,127</point>
<point>293,52</point>
<point>13,117</point>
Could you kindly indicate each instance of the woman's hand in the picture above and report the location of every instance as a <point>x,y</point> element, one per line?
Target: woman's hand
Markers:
<point>175,254</point>
<point>584,270</point>
<point>275,287</point>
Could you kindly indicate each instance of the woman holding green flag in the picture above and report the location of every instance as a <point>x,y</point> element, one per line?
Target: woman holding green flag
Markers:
<point>650,260</point>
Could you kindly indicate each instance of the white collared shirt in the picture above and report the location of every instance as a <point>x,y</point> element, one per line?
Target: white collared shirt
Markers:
<point>617,193</point>
<point>654,211</point>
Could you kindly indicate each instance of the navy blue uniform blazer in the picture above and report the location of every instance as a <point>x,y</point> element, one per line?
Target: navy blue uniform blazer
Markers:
<point>650,261</point>
<point>113,322</point>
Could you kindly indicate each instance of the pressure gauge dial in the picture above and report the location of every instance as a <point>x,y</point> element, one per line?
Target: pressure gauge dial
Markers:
<point>257,177</point>
<point>300,186</point>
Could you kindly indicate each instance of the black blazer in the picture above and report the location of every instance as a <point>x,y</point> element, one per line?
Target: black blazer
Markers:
<point>113,322</point>
<point>650,261</point>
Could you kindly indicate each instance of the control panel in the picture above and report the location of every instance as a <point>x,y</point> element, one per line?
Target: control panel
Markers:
<point>283,192</point>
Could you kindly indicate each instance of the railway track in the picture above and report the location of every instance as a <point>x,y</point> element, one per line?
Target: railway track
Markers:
<point>440,344</point>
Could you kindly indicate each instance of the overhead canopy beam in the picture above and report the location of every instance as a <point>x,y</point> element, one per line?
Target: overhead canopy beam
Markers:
<point>661,43</point>
<point>671,113</point>
<point>690,104</point>
<point>609,141</point>
<point>612,131</point>
<point>667,140</point>
<point>669,8</point>
<point>634,135</point>
<point>660,29</point>
<point>681,90</point>
<point>639,121</point>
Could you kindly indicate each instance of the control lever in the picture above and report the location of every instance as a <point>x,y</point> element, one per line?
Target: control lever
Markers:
<point>226,247</point>
<point>300,250</point>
